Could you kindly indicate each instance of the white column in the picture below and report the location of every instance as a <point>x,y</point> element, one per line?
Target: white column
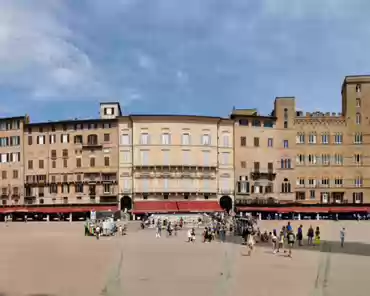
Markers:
<point>317,217</point>
<point>70,217</point>
<point>48,218</point>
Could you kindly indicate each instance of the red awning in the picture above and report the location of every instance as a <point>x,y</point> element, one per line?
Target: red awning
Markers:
<point>55,210</point>
<point>320,210</point>
<point>141,207</point>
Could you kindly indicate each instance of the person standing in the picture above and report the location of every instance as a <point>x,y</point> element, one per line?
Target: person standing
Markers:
<point>310,234</point>
<point>342,236</point>
<point>291,239</point>
<point>159,230</point>
<point>300,235</point>
<point>317,236</point>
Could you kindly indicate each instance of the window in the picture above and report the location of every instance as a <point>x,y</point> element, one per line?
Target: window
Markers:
<point>53,164</point>
<point>311,182</point>
<point>256,166</point>
<point>166,139</point>
<point>270,167</point>
<point>53,154</point>
<point>268,123</point>
<point>358,181</point>
<point>338,138</point>
<point>325,159</point>
<point>92,161</point>
<point>206,158</point>
<point>358,197</point>
<point>30,164</point>
<point>125,139</point>
<point>166,157</point>
<point>64,138</point>
<point>285,186</point>
<point>144,155</point>
<point>107,188</point>
<point>92,140</point>
<point>225,158</point>
<point>79,188</point>
<point>125,156</point>
<point>126,184</point>
<point>312,138</point>
<point>300,138</point>
<point>358,138</point>
<point>244,122</point>
<point>325,182</point>
<point>286,163</point>
<point>338,159</point>
<point>40,140</point>
<point>108,111</point>
<point>243,164</point>
<point>165,183</point>
<point>312,194</point>
<point>29,140</point>
<point>300,159</point>
<point>4,157</point>
<point>77,139</point>
<point>358,88</point>
<point>106,137</point>
<point>325,139</point>
<point>338,182</point>
<point>65,163</point>
<point>4,175</point>
<point>186,157</point>
<point>65,188</point>
<point>144,139</point>
<point>358,118</point>
<point>285,124</point>
<point>185,140</point>
<point>256,123</point>
<point>358,158</point>
<point>256,142</point>
<point>15,174</point>
<point>285,113</point>
<point>106,161</point>
<point>358,102</point>
<point>52,139</point>
<point>270,142</point>
<point>243,141</point>
<point>312,159</point>
<point>286,144</point>
<point>78,162</point>
<point>41,163</point>
<point>65,153</point>
<point>145,185</point>
<point>206,140</point>
<point>300,182</point>
<point>226,140</point>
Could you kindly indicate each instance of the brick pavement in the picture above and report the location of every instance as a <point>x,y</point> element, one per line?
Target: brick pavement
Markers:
<point>56,259</point>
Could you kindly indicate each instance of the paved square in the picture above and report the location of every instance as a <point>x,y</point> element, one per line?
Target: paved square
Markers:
<point>57,259</point>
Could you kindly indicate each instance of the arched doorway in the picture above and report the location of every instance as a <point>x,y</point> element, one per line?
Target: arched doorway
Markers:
<point>126,203</point>
<point>226,203</point>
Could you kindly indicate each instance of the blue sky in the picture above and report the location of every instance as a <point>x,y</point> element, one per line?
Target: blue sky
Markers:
<point>176,56</point>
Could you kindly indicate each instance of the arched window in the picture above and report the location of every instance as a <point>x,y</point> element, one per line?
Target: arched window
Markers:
<point>358,88</point>
<point>358,118</point>
<point>358,102</point>
<point>285,186</point>
<point>92,139</point>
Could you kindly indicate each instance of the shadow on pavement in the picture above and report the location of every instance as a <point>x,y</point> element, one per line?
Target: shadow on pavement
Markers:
<point>350,248</point>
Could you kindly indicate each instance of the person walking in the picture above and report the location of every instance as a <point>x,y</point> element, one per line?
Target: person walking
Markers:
<point>291,239</point>
<point>342,236</point>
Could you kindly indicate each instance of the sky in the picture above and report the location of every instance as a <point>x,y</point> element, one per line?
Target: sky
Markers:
<point>60,58</point>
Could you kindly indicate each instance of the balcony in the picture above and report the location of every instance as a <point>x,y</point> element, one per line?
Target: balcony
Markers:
<point>267,175</point>
<point>92,145</point>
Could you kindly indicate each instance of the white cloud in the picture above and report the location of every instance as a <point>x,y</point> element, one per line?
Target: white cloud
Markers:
<point>37,56</point>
